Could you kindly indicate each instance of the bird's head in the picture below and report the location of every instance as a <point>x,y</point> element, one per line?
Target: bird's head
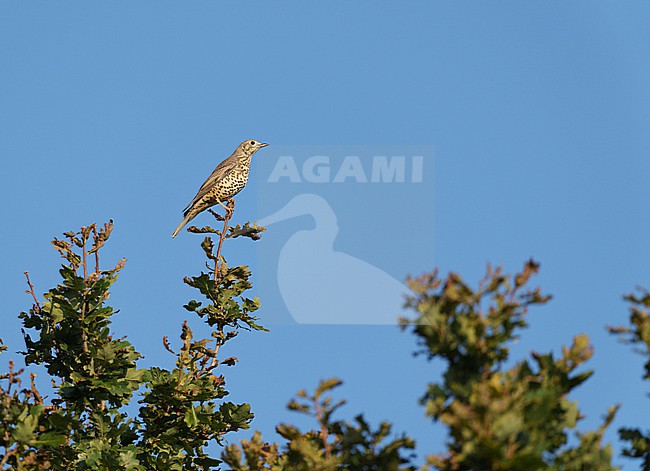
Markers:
<point>251,146</point>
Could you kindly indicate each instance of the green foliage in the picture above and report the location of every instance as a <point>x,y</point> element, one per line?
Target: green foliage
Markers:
<point>94,374</point>
<point>74,340</point>
<point>498,418</point>
<point>334,445</point>
<point>28,429</point>
<point>184,403</point>
<point>638,333</point>
<point>225,311</point>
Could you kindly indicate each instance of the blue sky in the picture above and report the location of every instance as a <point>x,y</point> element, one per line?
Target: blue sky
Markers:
<point>538,113</point>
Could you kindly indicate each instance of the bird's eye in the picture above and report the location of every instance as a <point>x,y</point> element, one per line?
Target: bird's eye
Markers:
<point>252,143</point>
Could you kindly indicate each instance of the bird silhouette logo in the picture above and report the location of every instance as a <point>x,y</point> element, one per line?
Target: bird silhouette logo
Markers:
<point>322,286</point>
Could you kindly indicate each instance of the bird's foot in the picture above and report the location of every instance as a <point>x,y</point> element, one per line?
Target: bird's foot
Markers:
<point>230,208</point>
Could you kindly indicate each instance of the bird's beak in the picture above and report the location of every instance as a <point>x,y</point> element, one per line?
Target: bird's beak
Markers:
<point>263,144</point>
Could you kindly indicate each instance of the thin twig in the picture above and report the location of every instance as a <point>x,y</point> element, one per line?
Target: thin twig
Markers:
<point>83,252</point>
<point>84,255</point>
<point>7,455</point>
<point>202,363</point>
<point>31,291</point>
<point>96,251</point>
<point>34,390</point>
<point>167,345</point>
<point>323,429</point>
<point>217,267</point>
<point>214,362</point>
<point>11,376</point>
<point>222,237</point>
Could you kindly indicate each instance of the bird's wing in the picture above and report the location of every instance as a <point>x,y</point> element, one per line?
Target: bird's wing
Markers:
<point>217,174</point>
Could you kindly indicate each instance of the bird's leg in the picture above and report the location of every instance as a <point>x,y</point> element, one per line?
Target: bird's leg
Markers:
<point>231,206</point>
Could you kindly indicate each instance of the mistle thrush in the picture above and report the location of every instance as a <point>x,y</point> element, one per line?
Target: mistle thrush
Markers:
<point>228,179</point>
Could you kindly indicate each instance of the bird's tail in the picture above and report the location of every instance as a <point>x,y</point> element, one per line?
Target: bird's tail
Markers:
<point>188,217</point>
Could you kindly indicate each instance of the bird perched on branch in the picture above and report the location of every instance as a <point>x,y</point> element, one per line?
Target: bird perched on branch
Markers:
<point>228,179</point>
